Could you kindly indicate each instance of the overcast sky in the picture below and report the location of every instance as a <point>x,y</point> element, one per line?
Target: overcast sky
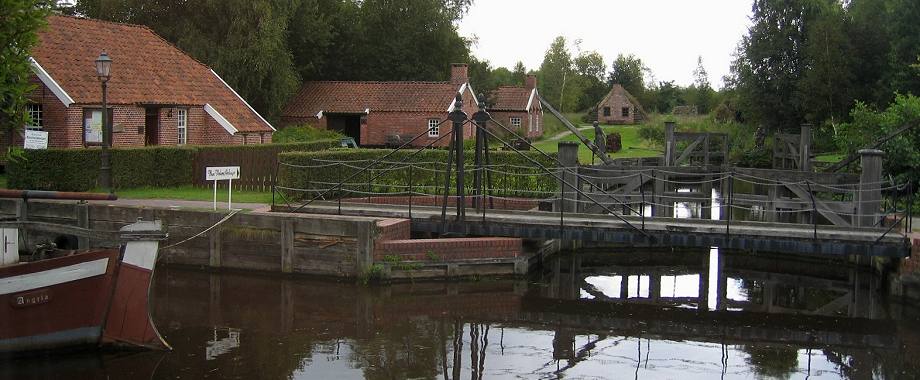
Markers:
<point>668,35</point>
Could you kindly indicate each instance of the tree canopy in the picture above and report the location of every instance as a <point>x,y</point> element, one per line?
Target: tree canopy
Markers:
<point>18,33</point>
<point>265,48</point>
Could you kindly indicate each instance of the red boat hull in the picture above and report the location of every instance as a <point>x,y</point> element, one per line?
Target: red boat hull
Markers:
<point>94,297</point>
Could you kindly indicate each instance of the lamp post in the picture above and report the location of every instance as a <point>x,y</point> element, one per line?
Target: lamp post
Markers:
<point>103,71</point>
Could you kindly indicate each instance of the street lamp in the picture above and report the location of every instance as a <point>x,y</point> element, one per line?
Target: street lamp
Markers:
<point>103,71</point>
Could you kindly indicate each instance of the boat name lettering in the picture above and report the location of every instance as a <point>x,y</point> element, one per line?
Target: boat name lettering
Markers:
<point>31,299</point>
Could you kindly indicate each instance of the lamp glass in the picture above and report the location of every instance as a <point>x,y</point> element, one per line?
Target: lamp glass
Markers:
<point>103,66</point>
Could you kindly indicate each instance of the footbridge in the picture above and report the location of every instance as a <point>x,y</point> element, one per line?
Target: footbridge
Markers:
<point>689,197</point>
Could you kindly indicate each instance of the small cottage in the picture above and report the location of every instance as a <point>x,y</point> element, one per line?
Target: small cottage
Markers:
<point>157,94</point>
<point>383,113</point>
<point>619,107</point>
<point>519,108</point>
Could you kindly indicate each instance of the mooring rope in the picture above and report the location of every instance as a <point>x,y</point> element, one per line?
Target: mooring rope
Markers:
<point>226,218</point>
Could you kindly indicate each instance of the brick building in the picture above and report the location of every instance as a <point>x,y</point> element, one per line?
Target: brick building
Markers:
<point>383,113</point>
<point>619,107</point>
<point>157,95</point>
<point>519,108</point>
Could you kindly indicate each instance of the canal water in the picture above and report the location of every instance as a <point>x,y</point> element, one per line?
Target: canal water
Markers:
<point>607,314</point>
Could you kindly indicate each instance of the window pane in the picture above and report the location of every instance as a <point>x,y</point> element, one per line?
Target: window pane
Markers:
<point>92,126</point>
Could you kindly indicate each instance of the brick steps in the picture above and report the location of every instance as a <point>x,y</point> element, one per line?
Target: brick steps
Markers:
<point>394,240</point>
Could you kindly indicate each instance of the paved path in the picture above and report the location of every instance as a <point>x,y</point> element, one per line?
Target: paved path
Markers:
<point>180,204</point>
<point>562,134</point>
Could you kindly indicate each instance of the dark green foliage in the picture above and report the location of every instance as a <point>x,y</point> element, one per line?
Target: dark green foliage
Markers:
<point>303,133</point>
<point>629,71</point>
<point>20,21</point>
<point>902,153</point>
<point>78,169</point>
<point>325,169</point>
<point>264,49</point>
<point>811,60</point>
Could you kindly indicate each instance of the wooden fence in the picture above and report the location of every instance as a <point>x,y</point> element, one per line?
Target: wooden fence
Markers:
<point>257,164</point>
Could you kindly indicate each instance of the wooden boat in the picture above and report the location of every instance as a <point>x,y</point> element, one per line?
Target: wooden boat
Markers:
<point>66,298</point>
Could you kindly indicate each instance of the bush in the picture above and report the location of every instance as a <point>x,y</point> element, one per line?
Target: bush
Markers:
<point>868,126</point>
<point>303,133</point>
<point>78,169</point>
<point>162,166</point>
<point>315,171</point>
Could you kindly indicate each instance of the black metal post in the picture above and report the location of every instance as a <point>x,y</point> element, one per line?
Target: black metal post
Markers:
<point>409,181</point>
<point>814,210</point>
<point>458,117</point>
<point>450,158</point>
<point>339,181</point>
<point>642,206</point>
<point>728,210</point>
<point>105,169</point>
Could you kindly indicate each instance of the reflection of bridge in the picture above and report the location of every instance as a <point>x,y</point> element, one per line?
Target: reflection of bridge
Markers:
<point>837,304</point>
<point>347,311</point>
<point>634,203</point>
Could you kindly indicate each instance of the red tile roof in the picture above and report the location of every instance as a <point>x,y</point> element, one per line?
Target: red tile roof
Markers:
<point>356,97</point>
<point>146,69</point>
<point>510,98</point>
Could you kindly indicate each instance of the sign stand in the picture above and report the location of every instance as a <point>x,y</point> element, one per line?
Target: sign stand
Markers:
<point>220,173</point>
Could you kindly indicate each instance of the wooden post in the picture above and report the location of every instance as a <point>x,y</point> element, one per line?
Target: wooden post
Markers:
<point>805,148</point>
<point>83,221</point>
<point>669,143</point>
<point>770,214</point>
<point>870,193</point>
<point>214,243</point>
<point>661,207</point>
<point>287,245</point>
<point>568,157</point>
<point>364,255</point>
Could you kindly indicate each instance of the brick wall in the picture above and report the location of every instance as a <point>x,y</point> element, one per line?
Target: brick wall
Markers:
<point>393,229</point>
<point>911,265</point>
<point>381,124</point>
<point>435,200</point>
<point>505,118</point>
<point>65,124</point>
<point>450,249</point>
<point>616,102</point>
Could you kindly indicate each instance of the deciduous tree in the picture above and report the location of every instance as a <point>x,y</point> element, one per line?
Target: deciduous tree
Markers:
<point>20,21</point>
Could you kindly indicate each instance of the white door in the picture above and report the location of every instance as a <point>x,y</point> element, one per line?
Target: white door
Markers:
<point>10,248</point>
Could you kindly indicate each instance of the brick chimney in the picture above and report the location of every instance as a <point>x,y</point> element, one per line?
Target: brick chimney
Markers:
<point>530,82</point>
<point>459,73</point>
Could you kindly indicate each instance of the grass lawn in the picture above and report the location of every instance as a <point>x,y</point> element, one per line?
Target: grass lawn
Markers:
<point>830,157</point>
<point>189,193</point>
<point>633,145</point>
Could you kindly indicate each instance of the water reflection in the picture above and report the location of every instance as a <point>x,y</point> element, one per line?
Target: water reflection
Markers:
<point>642,314</point>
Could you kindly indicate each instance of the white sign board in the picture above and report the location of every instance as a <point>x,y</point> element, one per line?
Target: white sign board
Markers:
<point>222,173</point>
<point>36,140</point>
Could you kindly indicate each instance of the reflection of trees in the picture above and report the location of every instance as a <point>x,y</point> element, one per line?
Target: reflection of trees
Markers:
<point>405,349</point>
<point>772,361</point>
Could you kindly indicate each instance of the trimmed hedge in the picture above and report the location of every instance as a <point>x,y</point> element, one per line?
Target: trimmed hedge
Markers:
<point>513,175</point>
<point>78,169</point>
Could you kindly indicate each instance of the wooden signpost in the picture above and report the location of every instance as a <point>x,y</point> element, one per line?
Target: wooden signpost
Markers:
<point>223,173</point>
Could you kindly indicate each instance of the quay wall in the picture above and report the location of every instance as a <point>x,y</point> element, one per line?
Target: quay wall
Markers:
<point>328,245</point>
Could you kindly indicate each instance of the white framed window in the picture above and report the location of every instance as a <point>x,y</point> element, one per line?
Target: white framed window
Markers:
<point>516,122</point>
<point>433,127</point>
<point>35,117</point>
<point>182,125</point>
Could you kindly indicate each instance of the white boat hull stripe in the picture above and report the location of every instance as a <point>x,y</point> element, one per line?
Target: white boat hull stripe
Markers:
<point>25,282</point>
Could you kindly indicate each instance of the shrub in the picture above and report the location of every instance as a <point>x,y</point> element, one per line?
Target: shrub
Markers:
<point>162,166</point>
<point>78,169</point>
<point>868,126</point>
<point>316,171</point>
